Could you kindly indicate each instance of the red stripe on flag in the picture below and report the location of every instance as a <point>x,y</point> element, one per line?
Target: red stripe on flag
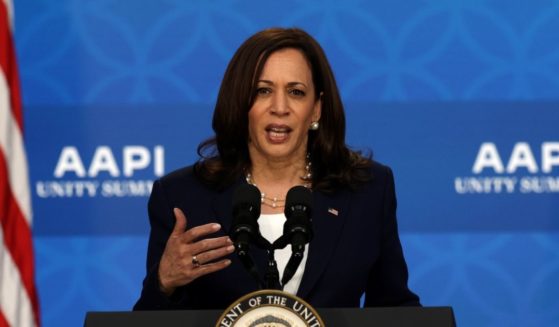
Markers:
<point>17,236</point>
<point>8,63</point>
<point>3,322</point>
<point>13,224</point>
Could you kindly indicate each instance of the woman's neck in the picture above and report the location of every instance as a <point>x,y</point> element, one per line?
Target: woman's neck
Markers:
<point>279,172</point>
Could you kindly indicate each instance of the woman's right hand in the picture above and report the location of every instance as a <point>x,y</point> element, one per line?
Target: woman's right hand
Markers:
<point>188,255</point>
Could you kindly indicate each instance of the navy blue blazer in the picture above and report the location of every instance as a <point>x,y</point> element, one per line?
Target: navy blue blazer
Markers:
<point>354,251</point>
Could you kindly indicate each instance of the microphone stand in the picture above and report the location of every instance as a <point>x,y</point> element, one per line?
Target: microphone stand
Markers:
<point>249,265</point>
<point>272,273</point>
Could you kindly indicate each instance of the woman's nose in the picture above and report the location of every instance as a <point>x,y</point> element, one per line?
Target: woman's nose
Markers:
<point>279,105</point>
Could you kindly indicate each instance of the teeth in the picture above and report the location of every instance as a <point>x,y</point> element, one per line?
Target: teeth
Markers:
<point>278,130</point>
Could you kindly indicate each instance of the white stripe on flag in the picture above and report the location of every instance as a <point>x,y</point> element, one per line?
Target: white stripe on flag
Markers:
<point>11,143</point>
<point>14,301</point>
<point>10,10</point>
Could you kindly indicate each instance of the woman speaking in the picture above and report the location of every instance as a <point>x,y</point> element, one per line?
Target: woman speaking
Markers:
<point>279,122</point>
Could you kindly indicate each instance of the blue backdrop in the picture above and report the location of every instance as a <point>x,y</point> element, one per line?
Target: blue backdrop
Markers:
<point>460,98</point>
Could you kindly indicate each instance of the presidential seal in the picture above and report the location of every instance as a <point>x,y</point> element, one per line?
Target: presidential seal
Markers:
<point>270,308</point>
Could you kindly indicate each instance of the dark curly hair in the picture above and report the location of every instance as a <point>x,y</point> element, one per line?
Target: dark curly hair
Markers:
<point>225,157</point>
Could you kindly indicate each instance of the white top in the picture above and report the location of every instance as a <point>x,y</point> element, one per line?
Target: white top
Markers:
<point>271,228</point>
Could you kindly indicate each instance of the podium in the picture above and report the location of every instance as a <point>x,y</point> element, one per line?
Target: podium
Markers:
<point>374,317</point>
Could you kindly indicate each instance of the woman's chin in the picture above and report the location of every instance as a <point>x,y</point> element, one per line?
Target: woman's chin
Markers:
<point>279,153</point>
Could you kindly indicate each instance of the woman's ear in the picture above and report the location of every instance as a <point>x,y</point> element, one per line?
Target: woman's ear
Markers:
<point>317,110</point>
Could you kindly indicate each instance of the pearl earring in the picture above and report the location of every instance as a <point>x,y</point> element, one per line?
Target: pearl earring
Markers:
<point>314,126</point>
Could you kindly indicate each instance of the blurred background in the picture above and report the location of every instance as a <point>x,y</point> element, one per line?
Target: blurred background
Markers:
<point>460,98</point>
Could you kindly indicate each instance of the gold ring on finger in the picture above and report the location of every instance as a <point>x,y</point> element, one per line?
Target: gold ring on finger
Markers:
<point>195,261</point>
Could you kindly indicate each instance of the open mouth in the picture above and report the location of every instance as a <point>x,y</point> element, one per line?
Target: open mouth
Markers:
<point>277,133</point>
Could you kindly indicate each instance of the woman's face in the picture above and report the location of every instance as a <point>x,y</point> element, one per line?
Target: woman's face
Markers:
<point>283,109</point>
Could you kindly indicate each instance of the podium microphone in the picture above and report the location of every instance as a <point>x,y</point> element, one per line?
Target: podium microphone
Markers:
<point>244,228</point>
<point>246,210</point>
<point>297,227</point>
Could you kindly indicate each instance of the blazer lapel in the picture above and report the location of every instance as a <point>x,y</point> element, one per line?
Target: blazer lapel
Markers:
<point>329,215</point>
<point>222,208</point>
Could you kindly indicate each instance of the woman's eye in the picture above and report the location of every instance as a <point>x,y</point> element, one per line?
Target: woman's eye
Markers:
<point>263,90</point>
<point>297,92</point>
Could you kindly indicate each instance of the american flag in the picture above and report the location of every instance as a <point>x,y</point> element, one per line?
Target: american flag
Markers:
<point>19,305</point>
<point>333,211</point>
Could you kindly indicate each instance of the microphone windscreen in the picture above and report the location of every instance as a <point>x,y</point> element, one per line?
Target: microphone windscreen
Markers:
<point>247,196</point>
<point>298,195</point>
